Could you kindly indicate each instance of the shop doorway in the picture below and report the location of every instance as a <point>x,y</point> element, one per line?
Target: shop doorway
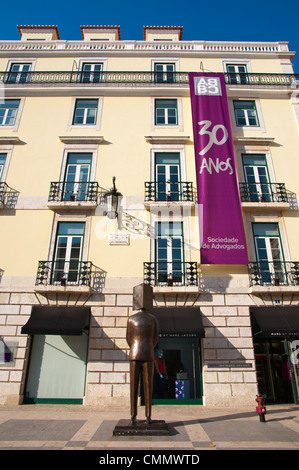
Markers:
<point>181,382</point>
<point>277,373</point>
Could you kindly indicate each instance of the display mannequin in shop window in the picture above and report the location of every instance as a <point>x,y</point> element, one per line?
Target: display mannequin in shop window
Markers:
<point>161,374</point>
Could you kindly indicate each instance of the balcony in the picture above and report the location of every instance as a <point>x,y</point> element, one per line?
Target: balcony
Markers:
<point>68,276</point>
<point>276,275</point>
<point>141,78</point>
<point>170,192</point>
<point>264,195</point>
<point>210,47</point>
<point>73,195</point>
<point>171,275</point>
<point>8,196</point>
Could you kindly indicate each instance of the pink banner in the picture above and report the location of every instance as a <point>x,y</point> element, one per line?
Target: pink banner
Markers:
<point>221,220</point>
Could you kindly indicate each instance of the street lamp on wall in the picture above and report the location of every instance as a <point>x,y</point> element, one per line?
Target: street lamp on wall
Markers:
<point>111,200</point>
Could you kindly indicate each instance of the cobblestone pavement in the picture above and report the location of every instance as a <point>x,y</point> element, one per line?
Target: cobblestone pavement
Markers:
<point>191,429</point>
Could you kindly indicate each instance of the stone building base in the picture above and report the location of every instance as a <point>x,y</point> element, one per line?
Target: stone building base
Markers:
<point>227,342</point>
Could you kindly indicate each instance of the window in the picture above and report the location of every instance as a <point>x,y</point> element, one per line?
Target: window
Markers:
<point>164,73</point>
<point>8,112</point>
<point>269,252</point>
<point>2,163</point>
<point>18,73</point>
<point>68,252</point>
<point>169,252</point>
<point>245,113</point>
<point>91,72</point>
<point>167,174</point>
<point>237,73</point>
<point>257,178</point>
<point>166,112</point>
<point>85,112</point>
<point>77,176</point>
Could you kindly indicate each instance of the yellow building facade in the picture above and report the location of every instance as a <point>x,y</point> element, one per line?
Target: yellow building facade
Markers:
<point>74,115</point>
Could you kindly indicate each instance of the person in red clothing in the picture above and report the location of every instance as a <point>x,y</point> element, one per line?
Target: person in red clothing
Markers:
<point>286,379</point>
<point>161,373</point>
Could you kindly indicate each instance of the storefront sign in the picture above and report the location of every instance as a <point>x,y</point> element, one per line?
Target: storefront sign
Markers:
<point>178,335</point>
<point>221,225</point>
<point>233,365</point>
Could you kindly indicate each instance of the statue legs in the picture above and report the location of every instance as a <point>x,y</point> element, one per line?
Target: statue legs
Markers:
<point>148,371</point>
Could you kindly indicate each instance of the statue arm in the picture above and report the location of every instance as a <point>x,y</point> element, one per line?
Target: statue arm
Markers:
<point>128,334</point>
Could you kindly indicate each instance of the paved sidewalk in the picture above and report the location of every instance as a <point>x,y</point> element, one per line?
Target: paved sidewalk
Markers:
<point>192,428</point>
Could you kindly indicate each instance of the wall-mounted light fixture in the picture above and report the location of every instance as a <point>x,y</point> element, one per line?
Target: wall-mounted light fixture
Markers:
<point>111,200</point>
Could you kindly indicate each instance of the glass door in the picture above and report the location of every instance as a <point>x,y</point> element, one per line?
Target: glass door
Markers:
<point>167,177</point>
<point>269,253</point>
<point>68,252</point>
<point>77,177</point>
<point>164,73</point>
<point>91,72</point>
<point>18,73</point>
<point>257,178</point>
<point>169,253</point>
<point>237,73</point>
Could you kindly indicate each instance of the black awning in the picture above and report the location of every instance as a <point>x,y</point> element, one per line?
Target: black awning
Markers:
<point>179,321</point>
<point>276,321</point>
<point>57,321</point>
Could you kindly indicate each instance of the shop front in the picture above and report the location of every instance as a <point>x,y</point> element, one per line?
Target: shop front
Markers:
<point>178,370</point>
<point>56,371</point>
<point>276,342</point>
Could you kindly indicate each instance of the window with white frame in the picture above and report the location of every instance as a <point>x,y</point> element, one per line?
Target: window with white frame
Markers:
<point>77,174</point>
<point>91,72</point>
<point>269,252</point>
<point>257,177</point>
<point>18,72</point>
<point>2,163</point>
<point>246,113</point>
<point>237,73</point>
<point>164,72</point>
<point>166,112</point>
<point>169,252</point>
<point>8,112</point>
<point>85,112</point>
<point>68,252</point>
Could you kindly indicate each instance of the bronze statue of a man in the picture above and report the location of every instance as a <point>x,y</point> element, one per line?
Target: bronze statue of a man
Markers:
<point>142,337</point>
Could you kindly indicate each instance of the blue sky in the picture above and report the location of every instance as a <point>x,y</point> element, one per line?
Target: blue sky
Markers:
<point>213,20</point>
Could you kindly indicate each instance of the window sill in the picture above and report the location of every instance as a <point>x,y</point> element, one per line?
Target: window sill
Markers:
<point>73,206</point>
<point>264,206</point>
<point>62,289</point>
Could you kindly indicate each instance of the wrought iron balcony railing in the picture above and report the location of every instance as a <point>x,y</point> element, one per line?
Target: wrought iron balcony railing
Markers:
<point>8,195</point>
<point>105,78</point>
<point>73,191</point>
<point>169,191</point>
<point>64,273</point>
<point>175,273</point>
<point>275,273</point>
<point>263,192</point>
